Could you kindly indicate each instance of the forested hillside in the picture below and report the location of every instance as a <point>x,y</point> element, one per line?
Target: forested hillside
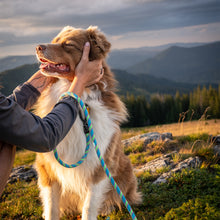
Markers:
<point>117,59</point>
<point>11,78</point>
<point>11,62</point>
<point>149,100</point>
<point>202,103</point>
<point>128,83</point>
<point>147,85</point>
<point>178,83</point>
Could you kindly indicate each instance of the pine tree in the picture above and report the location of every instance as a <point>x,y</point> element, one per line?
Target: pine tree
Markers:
<point>169,107</point>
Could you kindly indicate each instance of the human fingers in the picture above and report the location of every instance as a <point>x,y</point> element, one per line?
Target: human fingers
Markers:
<point>86,49</point>
<point>97,66</point>
<point>99,75</point>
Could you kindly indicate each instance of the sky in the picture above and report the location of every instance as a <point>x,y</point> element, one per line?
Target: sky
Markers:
<point>126,23</point>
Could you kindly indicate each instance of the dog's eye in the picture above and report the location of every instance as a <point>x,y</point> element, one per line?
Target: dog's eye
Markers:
<point>69,45</point>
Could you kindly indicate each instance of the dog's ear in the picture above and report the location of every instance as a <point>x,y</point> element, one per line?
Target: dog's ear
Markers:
<point>98,43</point>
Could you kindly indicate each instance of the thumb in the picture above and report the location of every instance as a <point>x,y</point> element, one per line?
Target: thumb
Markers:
<point>86,49</point>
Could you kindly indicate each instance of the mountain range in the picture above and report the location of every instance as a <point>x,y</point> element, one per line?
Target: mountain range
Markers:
<point>200,64</point>
<point>12,62</point>
<point>117,59</point>
<point>124,58</point>
<point>141,84</point>
<point>142,71</point>
<point>9,79</point>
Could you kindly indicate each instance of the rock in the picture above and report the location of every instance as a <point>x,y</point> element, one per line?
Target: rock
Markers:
<point>165,161</point>
<point>152,137</point>
<point>158,163</point>
<point>157,137</point>
<point>167,136</point>
<point>187,163</point>
<point>147,138</point>
<point>215,139</point>
<point>217,149</point>
<point>25,173</point>
<point>163,178</point>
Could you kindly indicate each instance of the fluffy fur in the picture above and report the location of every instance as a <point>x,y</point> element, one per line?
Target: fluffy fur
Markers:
<point>85,189</point>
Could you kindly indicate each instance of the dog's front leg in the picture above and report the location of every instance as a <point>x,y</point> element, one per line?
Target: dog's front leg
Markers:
<point>94,200</point>
<point>51,197</point>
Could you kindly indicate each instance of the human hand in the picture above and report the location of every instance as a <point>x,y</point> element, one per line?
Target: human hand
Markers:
<point>39,81</point>
<point>86,73</point>
<point>89,72</point>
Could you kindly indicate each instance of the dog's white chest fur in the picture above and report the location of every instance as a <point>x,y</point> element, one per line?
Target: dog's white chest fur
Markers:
<point>72,147</point>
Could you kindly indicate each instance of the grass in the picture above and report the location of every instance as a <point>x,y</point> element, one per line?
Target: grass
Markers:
<point>21,201</point>
<point>211,127</point>
<point>191,194</point>
<point>24,157</point>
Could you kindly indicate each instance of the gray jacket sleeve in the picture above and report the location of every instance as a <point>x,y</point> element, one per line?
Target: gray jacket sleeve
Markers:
<point>25,95</point>
<point>22,128</point>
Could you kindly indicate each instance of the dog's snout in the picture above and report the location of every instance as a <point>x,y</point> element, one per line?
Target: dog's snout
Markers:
<point>41,47</point>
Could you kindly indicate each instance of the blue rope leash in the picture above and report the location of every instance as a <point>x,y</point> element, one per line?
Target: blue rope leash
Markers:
<point>91,133</point>
<point>80,161</point>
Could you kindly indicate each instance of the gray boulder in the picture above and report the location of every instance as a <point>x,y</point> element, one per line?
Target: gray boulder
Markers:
<point>187,163</point>
<point>215,139</point>
<point>147,138</point>
<point>156,164</point>
<point>165,161</point>
<point>22,173</point>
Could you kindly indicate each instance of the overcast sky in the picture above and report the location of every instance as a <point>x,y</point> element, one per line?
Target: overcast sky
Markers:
<point>127,23</point>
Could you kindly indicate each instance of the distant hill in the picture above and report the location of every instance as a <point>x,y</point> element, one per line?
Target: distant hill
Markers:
<point>141,84</point>
<point>118,59</point>
<point>12,62</point>
<point>147,85</point>
<point>124,58</point>
<point>11,78</point>
<point>155,75</point>
<point>199,64</point>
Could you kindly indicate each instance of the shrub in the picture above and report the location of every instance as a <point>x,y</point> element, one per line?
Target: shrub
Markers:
<point>197,186</point>
<point>192,138</point>
<point>138,158</point>
<point>136,147</point>
<point>198,208</point>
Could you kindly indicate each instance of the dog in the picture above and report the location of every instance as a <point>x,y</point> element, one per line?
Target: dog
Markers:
<point>85,189</point>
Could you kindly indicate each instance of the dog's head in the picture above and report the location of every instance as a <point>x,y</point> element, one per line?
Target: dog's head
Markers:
<point>60,58</point>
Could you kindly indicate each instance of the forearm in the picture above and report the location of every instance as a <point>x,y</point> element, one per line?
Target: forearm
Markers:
<point>29,131</point>
<point>25,95</point>
<point>77,87</point>
<point>40,81</point>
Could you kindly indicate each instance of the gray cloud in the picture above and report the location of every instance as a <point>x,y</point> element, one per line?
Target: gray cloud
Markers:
<point>126,14</point>
<point>163,15</point>
<point>34,21</point>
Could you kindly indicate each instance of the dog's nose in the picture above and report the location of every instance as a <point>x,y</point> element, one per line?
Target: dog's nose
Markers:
<point>41,47</point>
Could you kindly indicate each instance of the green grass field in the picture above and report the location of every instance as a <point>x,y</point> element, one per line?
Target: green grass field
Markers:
<point>191,194</point>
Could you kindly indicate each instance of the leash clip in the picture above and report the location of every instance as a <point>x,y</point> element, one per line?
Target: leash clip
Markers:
<point>84,121</point>
<point>85,126</point>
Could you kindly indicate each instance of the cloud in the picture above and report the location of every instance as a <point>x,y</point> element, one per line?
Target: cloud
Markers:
<point>33,21</point>
<point>20,8</point>
<point>109,14</point>
<point>206,32</point>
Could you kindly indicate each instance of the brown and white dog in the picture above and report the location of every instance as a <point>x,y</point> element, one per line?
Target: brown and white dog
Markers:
<point>85,189</point>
